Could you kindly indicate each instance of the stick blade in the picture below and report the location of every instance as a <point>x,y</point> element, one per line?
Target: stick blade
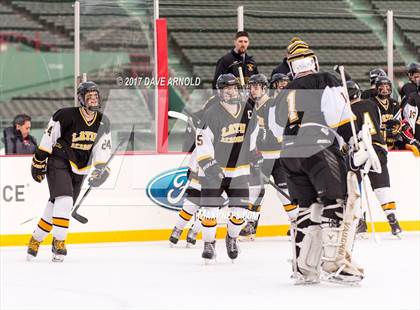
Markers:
<point>80,218</point>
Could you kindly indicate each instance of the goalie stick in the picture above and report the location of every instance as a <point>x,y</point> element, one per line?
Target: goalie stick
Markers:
<point>364,170</point>
<point>77,216</point>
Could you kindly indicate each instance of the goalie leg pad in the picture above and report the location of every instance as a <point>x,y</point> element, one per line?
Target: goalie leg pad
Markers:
<point>308,244</point>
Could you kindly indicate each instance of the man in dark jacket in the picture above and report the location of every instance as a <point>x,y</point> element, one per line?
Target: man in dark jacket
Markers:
<point>17,139</point>
<point>237,58</point>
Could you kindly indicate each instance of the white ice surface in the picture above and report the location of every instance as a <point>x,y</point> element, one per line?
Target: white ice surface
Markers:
<point>155,276</point>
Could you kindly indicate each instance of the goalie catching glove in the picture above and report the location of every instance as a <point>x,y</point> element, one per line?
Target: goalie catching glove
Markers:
<point>98,176</point>
<point>363,153</point>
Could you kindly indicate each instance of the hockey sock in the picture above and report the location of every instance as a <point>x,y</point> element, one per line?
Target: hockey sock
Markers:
<point>61,216</point>
<point>209,224</point>
<point>386,200</point>
<point>236,221</point>
<point>45,223</point>
<point>196,226</point>
<point>186,213</point>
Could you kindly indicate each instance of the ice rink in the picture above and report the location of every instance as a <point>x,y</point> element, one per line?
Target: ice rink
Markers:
<point>151,275</point>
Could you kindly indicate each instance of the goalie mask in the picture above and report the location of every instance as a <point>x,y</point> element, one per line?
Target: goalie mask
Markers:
<point>413,72</point>
<point>227,88</point>
<point>300,58</point>
<point>258,86</point>
<point>86,92</point>
<point>279,81</point>
<point>353,90</point>
<point>383,87</point>
<point>374,74</point>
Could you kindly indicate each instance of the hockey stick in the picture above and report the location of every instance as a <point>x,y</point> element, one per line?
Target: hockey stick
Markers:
<point>77,216</point>
<point>364,171</point>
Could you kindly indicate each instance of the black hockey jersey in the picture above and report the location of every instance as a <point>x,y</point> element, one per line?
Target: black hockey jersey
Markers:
<point>310,115</point>
<point>412,114</point>
<point>368,113</point>
<point>406,91</point>
<point>189,137</point>
<point>267,144</point>
<point>227,138</point>
<point>389,109</point>
<point>71,136</point>
<point>369,93</point>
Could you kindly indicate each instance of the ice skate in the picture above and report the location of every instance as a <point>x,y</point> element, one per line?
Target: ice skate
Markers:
<point>209,252</point>
<point>395,226</point>
<point>308,279</point>
<point>342,272</point>
<point>33,248</point>
<point>59,250</point>
<point>191,237</point>
<point>232,247</point>
<point>361,229</point>
<point>175,235</point>
<point>248,232</point>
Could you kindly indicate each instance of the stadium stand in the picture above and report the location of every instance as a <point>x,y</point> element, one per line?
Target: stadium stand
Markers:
<point>200,32</point>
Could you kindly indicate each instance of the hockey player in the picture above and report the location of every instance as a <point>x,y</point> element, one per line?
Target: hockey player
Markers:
<point>75,139</point>
<point>193,192</point>
<point>224,148</point>
<point>411,124</point>
<point>307,114</point>
<point>373,75</point>
<point>389,108</point>
<point>413,73</point>
<point>278,82</point>
<point>368,113</point>
<point>269,147</point>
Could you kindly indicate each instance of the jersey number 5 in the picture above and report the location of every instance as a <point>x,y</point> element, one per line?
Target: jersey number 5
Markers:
<point>199,140</point>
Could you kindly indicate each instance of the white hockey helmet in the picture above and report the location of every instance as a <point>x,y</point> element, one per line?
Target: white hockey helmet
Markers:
<point>300,58</point>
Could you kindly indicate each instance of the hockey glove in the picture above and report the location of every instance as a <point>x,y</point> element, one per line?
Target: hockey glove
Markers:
<point>213,173</point>
<point>392,128</point>
<point>408,139</point>
<point>98,176</point>
<point>38,169</point>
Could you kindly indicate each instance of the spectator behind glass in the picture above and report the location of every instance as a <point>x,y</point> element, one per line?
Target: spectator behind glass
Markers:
<point>17,139</point>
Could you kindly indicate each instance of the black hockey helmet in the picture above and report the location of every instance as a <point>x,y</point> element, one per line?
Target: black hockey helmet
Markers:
<point>353,89</point>
<point>412,69</point>
<point>223,81</point>
<point>259,79</point>
<point>375,73</point>
<point>278,77</point>
<point>383,80</point>
<point>83,89</point>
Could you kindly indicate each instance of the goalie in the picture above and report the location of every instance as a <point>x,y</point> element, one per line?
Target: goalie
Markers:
<point>312,117</point>
<point>75,139</point>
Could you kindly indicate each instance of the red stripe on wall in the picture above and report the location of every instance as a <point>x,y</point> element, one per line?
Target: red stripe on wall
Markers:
<point>162,78</point>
